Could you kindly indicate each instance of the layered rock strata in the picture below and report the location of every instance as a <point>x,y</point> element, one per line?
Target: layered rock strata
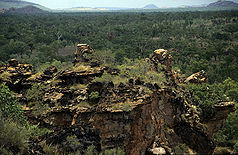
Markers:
<point>140,118</point>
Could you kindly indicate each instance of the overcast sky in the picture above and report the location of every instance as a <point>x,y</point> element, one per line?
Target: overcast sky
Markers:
<point>54,4</point>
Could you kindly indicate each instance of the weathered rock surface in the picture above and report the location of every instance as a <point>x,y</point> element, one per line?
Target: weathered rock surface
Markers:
<point>14,74</point>
<point>222,111</point>
<point>199,77</point>
<point>140,118</point>
<point>80,51</point>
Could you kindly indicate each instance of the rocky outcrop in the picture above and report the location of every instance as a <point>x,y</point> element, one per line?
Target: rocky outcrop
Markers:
<point>223,109</point>
<point>138,117</point>
<point>80,52</point>
<point>198,78</point>
<point>162,56</point>
<point>14,74</point>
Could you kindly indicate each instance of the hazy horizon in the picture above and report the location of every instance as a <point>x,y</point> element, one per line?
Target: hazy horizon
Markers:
<point>56,4</point>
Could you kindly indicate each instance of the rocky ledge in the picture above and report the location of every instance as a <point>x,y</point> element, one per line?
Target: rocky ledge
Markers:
<point>138,117</point>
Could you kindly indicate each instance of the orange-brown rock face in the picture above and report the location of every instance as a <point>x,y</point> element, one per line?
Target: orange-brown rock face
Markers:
<point>199,77</point>
<point>138,117</point>
<point>223,109</point>
<point>163,57</point>
<point>80,51</point>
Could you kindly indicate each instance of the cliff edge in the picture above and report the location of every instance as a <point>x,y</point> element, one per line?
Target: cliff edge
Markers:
<point>137,116</point>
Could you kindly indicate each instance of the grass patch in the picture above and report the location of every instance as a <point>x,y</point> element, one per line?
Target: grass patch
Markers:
<point>114,78</point>
<point>127,106</point>
<point>78,86</point>
<point>80,67</point>
<point>5,76</point>
<point>84,104</point>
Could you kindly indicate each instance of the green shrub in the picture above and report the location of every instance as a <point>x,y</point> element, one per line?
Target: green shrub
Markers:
<point>205,97</point>
<point>58,64</point>
<point>181,149</point>
<point>228,135</point>
<point>106,57</point>
<point>135,69</point>
<point>13,137</point>
<point>94,97</point>
<point>116,79</point>
<point>5,76</point>
<point>35,131</point>
<point>35,94</point>
<point>90,150</point>
<point>34,98</point>
<point>115,151</point>
<point>230,88</point>
<point>9,106</point>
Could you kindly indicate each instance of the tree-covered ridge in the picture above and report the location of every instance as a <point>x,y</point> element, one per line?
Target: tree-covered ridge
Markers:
<point>198,40</point>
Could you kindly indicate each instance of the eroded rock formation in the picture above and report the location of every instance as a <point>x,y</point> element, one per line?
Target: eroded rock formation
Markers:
<point>140,118</point>
<point>80,52</point>
<point>14,74</point>
<point>199,77</point>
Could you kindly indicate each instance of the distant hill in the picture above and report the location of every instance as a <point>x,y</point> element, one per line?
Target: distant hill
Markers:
<point>7,4</point>
<point>223,3</point>
<point>150,6</point>
<point>26,10</point>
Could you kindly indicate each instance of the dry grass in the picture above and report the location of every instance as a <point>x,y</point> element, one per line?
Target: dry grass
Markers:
<point>5,76</point>
<point>78,86</point>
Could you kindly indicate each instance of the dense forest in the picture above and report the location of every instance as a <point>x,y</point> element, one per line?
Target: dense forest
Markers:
<point>196,40</point>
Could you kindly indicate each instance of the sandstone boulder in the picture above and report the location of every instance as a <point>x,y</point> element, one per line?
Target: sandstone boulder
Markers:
<point>199,77</point>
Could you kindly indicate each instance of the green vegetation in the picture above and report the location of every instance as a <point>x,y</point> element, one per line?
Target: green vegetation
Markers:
<point>124,107</point>
<point>94,97</point>
<point>35,94</point>
<point>78,86</point>
<point>114,78</point>
<point>13,137</point>
<point>197,40</point>
<point>115,151</point>
<point>5,76</point>
<point>85,104</point>
<point>206,95</point>
<point>133,69</point>
<point>58,64</point>
<point>228,135</point>
<point>15,131</point>
<point>9,107</point>
<point>34,97</point>
<point>181,149</point>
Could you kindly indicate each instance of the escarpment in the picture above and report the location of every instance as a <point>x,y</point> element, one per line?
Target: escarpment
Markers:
<point>137,116</point>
